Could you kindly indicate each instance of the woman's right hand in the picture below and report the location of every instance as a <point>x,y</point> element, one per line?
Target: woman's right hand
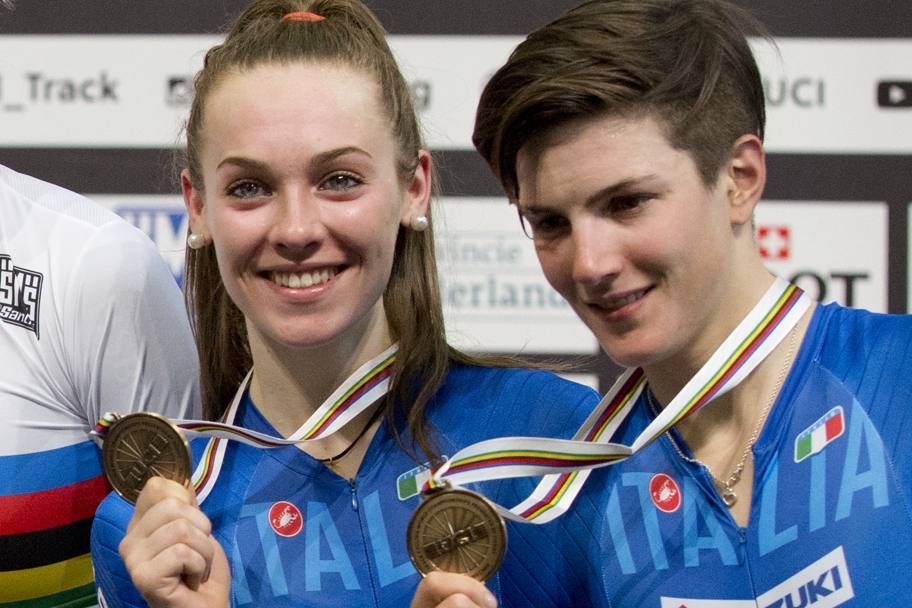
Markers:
<point>170,552</point>
<point>447,590</point>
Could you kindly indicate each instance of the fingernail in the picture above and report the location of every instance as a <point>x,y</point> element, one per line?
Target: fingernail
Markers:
<point>489,600</point>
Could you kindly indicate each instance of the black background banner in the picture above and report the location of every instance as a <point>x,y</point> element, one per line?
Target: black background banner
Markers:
<point>829,18</point>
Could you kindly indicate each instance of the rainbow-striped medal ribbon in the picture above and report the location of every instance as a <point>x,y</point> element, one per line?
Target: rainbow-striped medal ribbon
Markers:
<point>365,386</point>
<point>566,463</point>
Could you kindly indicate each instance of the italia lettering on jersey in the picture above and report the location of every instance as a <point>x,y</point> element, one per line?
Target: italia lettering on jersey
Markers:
<point>20,295</point>
<point>829,521</point>
<point>838,482</point>
<point>296,534</point>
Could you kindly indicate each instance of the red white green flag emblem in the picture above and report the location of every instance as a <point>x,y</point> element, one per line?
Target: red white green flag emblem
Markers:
<point>817,436</point>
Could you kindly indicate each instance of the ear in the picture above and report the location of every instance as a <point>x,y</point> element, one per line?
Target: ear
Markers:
<point>746,173</point>
<point>193,201</point>
<point>418,192</point>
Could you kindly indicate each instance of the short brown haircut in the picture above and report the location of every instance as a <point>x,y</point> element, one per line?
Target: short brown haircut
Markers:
<point>686,63</point>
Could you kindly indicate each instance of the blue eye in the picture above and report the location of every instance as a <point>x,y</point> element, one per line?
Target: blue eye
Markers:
<point>247,189</point>
<point>340,182</point>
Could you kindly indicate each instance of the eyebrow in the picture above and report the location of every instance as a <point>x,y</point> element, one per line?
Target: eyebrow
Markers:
<point>321,158</point>
<point>607,192</point>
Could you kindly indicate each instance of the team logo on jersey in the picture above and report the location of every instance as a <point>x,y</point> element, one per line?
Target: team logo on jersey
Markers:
<point>823,584</point>
<point>820,434</point>
<point>666,495</point>
<point>285,519</point>
<point>409,484</point>
<point>20,295</point>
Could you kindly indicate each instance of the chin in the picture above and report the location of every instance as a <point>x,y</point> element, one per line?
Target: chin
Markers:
<point>628,355</point>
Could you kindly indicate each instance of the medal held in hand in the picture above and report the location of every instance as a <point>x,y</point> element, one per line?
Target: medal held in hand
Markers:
<point>457,531</point>
<point>143,445</point>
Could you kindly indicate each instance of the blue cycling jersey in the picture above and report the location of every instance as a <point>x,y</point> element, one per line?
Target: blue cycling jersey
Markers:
<point>830,521</point>
<point>297,534</point>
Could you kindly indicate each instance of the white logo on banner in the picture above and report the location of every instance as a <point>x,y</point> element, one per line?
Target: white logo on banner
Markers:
<point>823,95</point>
<point>837,95</point>
<point>836,251</point>
<point>97,91</point>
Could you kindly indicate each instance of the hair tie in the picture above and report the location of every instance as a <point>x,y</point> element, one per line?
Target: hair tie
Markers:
<point>303,16</point>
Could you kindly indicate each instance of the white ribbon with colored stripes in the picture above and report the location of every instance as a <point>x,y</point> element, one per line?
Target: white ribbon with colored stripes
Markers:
<point>565,464</point>
<point>365,386</point>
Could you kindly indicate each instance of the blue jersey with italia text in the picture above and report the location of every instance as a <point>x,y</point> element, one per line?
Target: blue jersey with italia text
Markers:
<point>297,534</point>
<point>830,521</point>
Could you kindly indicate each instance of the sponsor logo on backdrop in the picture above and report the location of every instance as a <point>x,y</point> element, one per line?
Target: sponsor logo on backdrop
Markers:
<point>88,91</point>
<point>5,104</point>
<point>20,295</point>
<point>823,584</point>
<point>823,95</point>
<point>774,242</point>
<point>800,92</point>
<point>487,284</point>
<point>421,94</point>
<point>161,217</point>
<point>65,89</point>
<point>836,252</point>
<point>166,226</point>
<point>49,89</point>
<point>493,290</point>
<point>179,91</point>
<point>894,93</point>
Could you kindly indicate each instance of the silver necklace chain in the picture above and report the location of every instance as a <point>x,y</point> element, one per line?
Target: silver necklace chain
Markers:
<point>726,487</point>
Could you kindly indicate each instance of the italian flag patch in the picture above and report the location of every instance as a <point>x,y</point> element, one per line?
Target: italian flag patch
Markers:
<point>817,436</point>
<point>410,483</point>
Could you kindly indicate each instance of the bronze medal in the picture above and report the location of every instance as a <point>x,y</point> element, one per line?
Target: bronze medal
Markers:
<point>457,531</point>
<point>143,445</point>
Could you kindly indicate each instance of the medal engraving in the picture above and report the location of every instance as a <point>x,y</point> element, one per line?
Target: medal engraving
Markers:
<point>140,446</point>
<point>457,531</point>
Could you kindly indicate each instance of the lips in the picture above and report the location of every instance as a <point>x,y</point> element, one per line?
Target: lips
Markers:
<point>298,280</point>
<point>614,303</point>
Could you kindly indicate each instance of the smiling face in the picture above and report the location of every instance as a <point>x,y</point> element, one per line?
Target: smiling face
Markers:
<point>630,235</point>
<point>302,201</point>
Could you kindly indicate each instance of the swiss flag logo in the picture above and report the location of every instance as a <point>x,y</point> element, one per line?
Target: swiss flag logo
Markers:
<point>775,242</point>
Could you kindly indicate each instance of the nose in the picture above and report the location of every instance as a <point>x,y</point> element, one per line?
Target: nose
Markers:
<point>298,226</point>
<point>597,252</point>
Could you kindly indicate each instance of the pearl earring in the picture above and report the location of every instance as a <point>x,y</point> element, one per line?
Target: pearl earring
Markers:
<point>420,223</point>
<point>196,241</point>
